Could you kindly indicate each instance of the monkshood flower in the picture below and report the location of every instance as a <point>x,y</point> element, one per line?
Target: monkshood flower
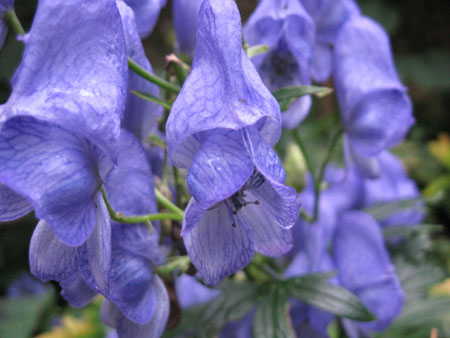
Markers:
<point>117,260</point>
<point>140,116</point>
<point>5,5</point>
<point>63,108</point>
<point>185,13</point>
<point>221,128</point>
<point>393,185</point>
<point>375,107</point>
<point>364,267</point>
<point>329,16</point>
<point>147,13</point>
<point>289,32</point>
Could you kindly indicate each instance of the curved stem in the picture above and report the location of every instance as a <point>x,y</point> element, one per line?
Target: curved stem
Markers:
<point>152,78</point>
<point>13,21</point>
<point>164,201</point>
<point>318,181</point>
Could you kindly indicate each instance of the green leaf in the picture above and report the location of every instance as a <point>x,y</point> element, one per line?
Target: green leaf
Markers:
<point>20,317</point>
<point>234,302</point>
<point>382,210</point>
<point>408,230</point>
<point>257,50</point>
<point>272,315</point>
<point>328,297</point>
<point>287,95</point>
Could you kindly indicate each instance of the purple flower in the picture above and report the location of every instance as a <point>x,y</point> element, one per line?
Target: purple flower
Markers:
<point>365,269</point>
<point>64,110</point>
<point>222,127</point>
<point>393,185</point>
<point>329,16</point>
<point>375,107</point>
<point>185,13</point>
<point>147,13</point>
<point>140,116</point>
<point>289,32</point>
<point>116,260</point>
<point>5,5</point>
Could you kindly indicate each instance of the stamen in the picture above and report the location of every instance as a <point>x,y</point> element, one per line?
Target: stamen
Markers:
<point>231,213</point>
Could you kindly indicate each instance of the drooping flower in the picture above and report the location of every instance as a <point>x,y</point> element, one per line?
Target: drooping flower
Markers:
<point>117,260</point>
<point>364,267</point>
<point>329,16</point>
<point>5,5</point>
<point>147,13</point>
<point>222,127</point>
<point>64,107</point>
<point>393,185</point>
<point>375,107</point>
<point>185,13</point>
<point>288,30</point>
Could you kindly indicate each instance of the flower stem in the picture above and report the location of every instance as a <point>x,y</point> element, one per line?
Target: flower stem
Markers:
<point>318,181</point>
<point>13,21</point>
<point>164,201</point>
<point>152,78</point>
<point>118,217</point>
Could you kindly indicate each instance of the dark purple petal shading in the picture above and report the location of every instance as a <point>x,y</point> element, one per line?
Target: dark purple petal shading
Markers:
<point>191,292</point>
<point>53,169</point>
<point>147,13</point>
<point>49,258</point>
<point>76,291</point>
<point>224,89</point>
<point>220,167</point>
<point>140,115</point>
<point>375,107</point>
<point>12,205</point>
<point>74,74</point>
<point>185,13</point>
<point>216,247</point>
<point>365,267</point>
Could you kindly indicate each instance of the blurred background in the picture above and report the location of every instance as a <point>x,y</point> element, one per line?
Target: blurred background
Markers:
<point>419,32</point>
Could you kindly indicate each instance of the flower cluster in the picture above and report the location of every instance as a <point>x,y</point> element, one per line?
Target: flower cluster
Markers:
<point>74,147</point>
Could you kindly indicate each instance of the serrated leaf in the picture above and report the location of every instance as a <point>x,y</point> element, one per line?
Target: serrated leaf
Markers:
<point>287,95</point>
<point>272,315</point>
<point>205,320</point>
<point>329,297</point>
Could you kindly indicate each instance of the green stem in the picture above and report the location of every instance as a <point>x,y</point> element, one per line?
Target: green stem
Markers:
<point>164,201</point>
<point>178,185</point>
<point>13,21</point>
<point>318,181</point>
<point>151,98</point>
<point>118,217</point>
<point>180,262</point>
<point>152,78</point>
<point>268,271</point>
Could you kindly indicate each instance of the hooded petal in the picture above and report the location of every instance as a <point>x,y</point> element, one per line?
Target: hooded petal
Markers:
<point>220,167</point>
<point>50,259</point>
<point>54,170</point>
<point>223,90</point>
<point>367,166</point>
<point>322,62</point>
<point>147,13</point>
<point>375,107</point>
<point>12,206</point>
<point>191,292</point>
<point>157,325</point>
<point>76,291</point>
<point>84,90</point>
<point>216,247</point>
<point>140,115</point>
<point>365,268</point>
<point>185,13</point>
